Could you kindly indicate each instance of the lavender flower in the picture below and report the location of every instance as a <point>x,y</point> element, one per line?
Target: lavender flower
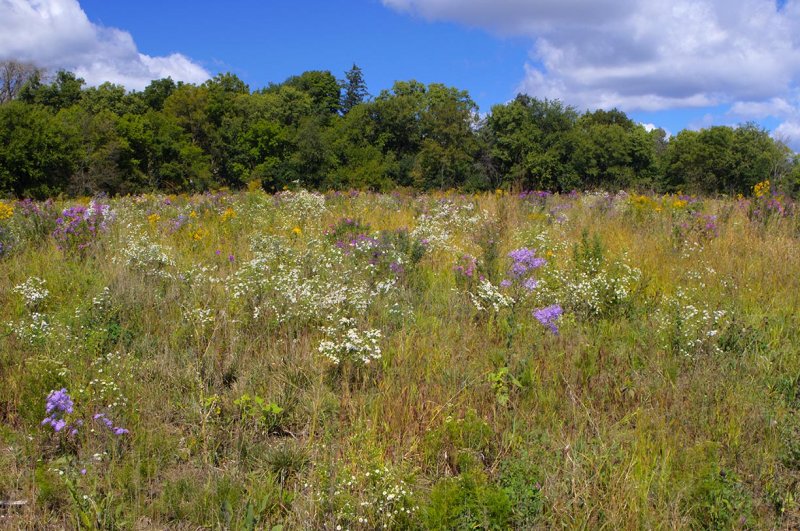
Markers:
<point>58,404</point>
<point>524,260</point>
<point>116,430</point>
<point>548,316</point>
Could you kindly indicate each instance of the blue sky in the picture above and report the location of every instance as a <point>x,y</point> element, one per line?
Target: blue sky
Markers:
<point>677,64</point>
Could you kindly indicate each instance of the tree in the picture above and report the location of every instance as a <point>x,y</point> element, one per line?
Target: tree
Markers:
<point>323,88</point>
<point>13,76</point>
<point>526,142</point>
<point>64,91</point>
<point>157,92</point>
<point>37,156</point>
<point>355,89</point>
<point>724,159</point>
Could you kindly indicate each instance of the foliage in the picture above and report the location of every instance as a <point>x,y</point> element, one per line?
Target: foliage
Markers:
<point>62,137</point>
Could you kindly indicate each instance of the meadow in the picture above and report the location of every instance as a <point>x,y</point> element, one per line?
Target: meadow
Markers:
<point>400,361</point>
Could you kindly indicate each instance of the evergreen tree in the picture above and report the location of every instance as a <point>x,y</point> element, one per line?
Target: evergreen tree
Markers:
<point>355,89</point>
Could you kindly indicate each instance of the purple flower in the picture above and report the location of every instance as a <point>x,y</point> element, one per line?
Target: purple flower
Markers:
<point>230,258</point>
<point>524,260</point>
<point>58,404</point>
<point>116,430</point>
<point>548,316</point>
<point>530,284</point>
<point>59,401</point>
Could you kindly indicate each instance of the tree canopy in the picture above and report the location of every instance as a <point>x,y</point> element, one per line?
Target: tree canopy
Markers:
<point>58,136</point>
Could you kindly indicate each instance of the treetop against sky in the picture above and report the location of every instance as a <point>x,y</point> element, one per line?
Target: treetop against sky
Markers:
<point>682,64</point>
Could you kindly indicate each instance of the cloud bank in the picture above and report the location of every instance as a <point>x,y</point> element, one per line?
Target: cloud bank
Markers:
<point>58,34</point>
<point>648,55</point>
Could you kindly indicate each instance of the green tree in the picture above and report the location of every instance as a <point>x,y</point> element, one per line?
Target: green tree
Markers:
<point>64,91</point>
<point>157,92</point>
<point>323,88</point>
<point>37,156</point>
<point>724,159</point>
<point>354,89</point>
<point>526,140</point>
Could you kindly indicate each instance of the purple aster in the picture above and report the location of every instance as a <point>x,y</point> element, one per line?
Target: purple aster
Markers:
<point>524,260</point>
<point>530,284</point>
<point>548,316</point>
<point>59,401</point>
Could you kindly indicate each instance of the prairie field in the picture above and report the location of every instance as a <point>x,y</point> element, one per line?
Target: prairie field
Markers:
<point>402,361</point>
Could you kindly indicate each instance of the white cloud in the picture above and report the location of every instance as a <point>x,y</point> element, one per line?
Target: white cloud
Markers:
<point>58,34</point>
<point>642,55</point>
<point>789,133</point>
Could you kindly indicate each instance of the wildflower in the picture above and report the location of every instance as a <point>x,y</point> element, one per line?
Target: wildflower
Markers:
<point>297,231</point>
<point>525,260</point>
<point>228,214</point>
<point>467,266</point>
<point>116,430</point>
<point>58,404</point>
<point>199,234</point>
<point>761,189</point>
<point>153,219</point>
<point>6,211</point>
<point>548,316</point>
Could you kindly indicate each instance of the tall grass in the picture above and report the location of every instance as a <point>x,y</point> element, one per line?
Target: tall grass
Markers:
<point>336,361</point>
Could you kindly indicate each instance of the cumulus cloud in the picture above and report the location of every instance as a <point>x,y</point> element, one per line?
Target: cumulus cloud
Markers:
<point>647,54</point>
<point>58,34</point>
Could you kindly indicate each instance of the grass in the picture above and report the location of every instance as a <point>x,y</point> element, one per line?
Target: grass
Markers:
<point>228,334</point>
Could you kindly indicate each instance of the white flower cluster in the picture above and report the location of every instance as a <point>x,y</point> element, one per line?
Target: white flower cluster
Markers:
<point>592,295</point>
<point>375,499</point>
<point>200,317</point>
<point>345,341</point>
<point>32,330</point>
<point>284,285</point>
<point>103,387</point>
<point>688,326</point>
<point>145,256</point>
<point>438,226</point>
<point>33,292</point>
<point>488,296</point>
<point>303,204</point>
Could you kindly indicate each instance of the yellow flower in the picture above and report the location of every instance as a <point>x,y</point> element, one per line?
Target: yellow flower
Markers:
<point>679,203</point>
<point>192,214</point>
<point>228,214</point>
<point>761,189</point>
<point>199,234</point>
<point>6,211</point>
<point>153,219</point>
<point>297,231</point>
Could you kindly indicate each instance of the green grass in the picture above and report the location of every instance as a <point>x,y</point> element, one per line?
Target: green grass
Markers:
<point>669,398</point>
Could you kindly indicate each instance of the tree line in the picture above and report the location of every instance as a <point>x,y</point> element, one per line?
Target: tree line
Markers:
<point>58,136</point>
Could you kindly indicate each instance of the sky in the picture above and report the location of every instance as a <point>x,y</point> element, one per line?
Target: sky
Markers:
<point>673,64</point>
